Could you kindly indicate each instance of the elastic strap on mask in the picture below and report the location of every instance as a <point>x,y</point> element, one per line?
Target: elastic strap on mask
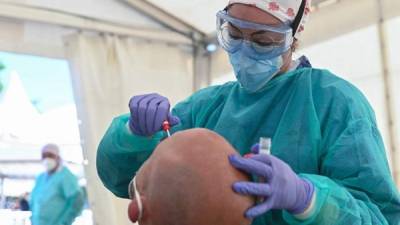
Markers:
<point>137,196</point>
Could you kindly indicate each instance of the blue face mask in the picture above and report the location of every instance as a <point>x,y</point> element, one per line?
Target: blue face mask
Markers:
<point>253,74</point>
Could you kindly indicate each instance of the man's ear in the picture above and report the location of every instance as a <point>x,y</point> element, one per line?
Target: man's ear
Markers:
<point>134,211</point>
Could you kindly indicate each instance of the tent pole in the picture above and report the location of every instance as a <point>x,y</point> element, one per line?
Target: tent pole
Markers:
<point>201,67</point>
<point>2,197</point>
<point>389,103</point>
<point>165,18</point>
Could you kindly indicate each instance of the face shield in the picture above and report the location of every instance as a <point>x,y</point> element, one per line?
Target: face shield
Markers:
<point>257,41</point>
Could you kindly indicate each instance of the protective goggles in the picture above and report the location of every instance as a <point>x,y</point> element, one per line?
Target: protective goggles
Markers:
<point>258,41</point>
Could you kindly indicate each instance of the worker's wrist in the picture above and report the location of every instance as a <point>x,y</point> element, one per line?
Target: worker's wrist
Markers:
<point>131,128</point>
<point>305,191</point>
<point>309,211</point>
<point>127,126</point>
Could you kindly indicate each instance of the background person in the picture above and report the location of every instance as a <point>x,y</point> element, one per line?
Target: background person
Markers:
<point>56,198</point>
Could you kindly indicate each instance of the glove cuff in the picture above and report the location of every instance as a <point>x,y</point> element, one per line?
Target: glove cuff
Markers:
<point>132,127</point>
<point>304,196</point>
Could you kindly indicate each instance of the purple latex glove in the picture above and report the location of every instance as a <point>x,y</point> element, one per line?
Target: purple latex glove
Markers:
<point>281,187</point>
<point>148,112</point>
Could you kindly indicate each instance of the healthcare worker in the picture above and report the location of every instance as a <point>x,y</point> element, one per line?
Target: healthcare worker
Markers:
<point>327,162</point>
<point>56,198</point>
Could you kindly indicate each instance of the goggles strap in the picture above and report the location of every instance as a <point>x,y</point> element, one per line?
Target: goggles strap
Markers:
<point>299,16</point>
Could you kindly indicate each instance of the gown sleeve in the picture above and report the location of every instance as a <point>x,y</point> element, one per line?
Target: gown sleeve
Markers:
<point>121,153</point>
<point>354,184</point>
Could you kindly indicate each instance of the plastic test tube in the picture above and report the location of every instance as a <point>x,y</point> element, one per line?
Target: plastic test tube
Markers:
<point>265,148</point>
<point>265,145</point>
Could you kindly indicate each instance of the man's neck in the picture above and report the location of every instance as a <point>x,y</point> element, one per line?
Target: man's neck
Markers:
<point>53,171</point>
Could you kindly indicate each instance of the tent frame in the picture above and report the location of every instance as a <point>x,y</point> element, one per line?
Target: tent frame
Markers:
<point>22,12</point>
<point>388,93</point>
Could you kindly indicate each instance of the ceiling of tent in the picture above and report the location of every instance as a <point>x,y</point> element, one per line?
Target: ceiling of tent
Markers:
<point>113,11</point>
<point>201,13</point>
<point>198,13</point>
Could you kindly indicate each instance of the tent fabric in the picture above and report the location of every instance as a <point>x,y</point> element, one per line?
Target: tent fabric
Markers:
<point>106,72</point>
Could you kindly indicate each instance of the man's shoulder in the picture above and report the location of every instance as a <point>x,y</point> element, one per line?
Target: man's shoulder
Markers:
<point>67,172</point>
<point>40,176</point>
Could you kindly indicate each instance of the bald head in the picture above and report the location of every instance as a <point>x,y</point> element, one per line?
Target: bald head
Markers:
<point>187,181</point>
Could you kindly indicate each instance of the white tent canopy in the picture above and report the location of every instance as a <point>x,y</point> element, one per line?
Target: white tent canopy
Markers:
<point>21,122</point>
<point>15,104</point>
<point>24,131</point>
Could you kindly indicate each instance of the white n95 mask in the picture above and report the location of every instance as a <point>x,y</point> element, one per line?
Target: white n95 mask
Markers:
<point>49,164</point>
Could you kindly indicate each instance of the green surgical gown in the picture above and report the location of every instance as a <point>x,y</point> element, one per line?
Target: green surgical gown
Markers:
<point>56,199</point>
<point>321,125</point>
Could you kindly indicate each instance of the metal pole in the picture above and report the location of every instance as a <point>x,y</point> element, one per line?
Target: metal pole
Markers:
<point>2,197</point>
<point>389,103</point>
<point>201,66</point>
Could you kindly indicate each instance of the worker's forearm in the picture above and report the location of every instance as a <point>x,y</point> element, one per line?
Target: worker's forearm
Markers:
<point>120,155</point>
<point>309,210</point>
<point>335,204</point>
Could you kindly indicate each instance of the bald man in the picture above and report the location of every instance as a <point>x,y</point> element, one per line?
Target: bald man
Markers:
<point>188,181</point>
